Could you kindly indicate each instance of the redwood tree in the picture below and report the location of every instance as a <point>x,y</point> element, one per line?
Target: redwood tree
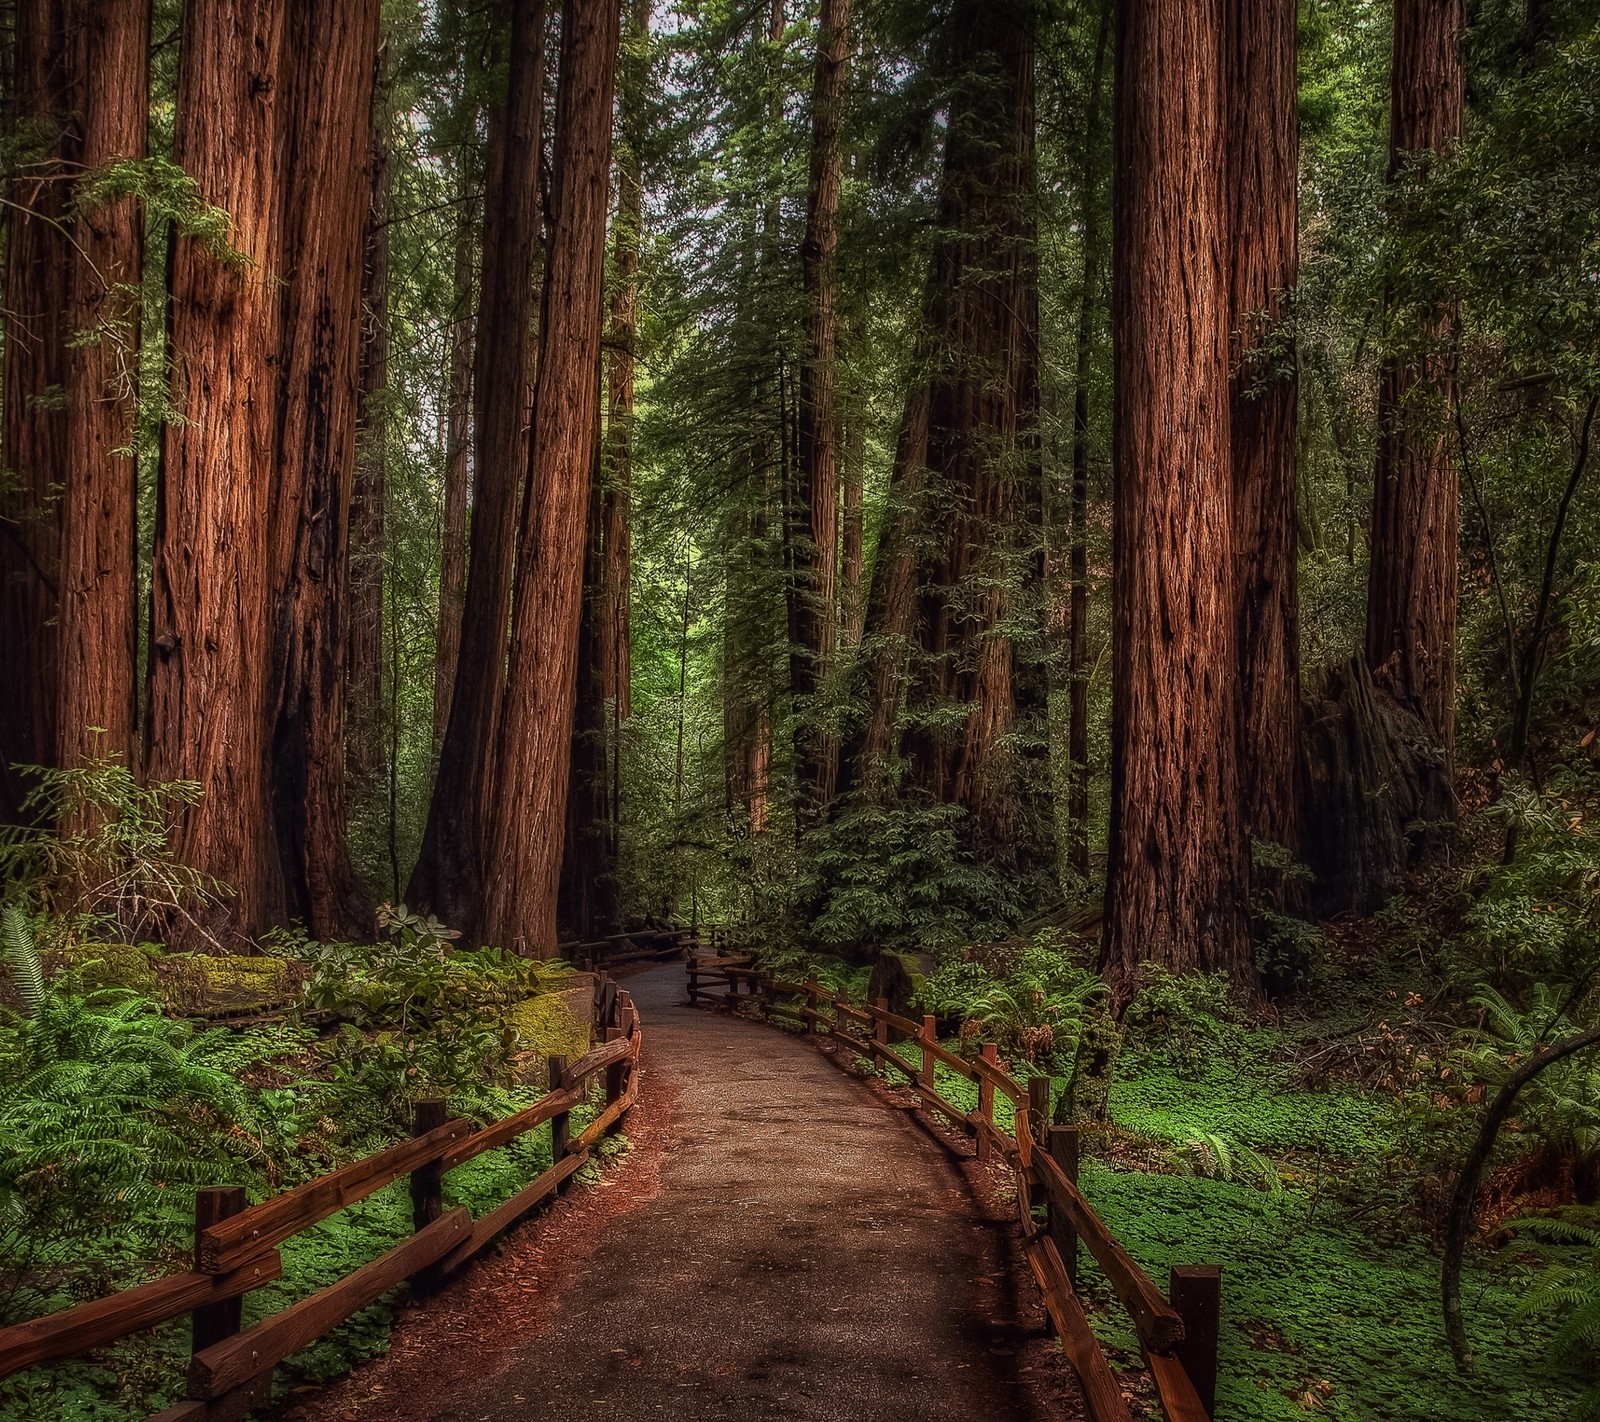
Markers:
<point>1177,888</point>
<point>536,722</point>
<point>1412,587</point>
<point>209,711</point>
<point>1263,154</point>
<point>449,875</point>
<point>815,633</point>
<point>329,57</point>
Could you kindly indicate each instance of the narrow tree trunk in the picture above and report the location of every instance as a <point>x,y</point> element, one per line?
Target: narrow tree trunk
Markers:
<point>1177,889</point>
<point>97,617</point>
<point>364,650</point>
<point>817,550</point>
<point>615,626</point>
<point>536,722</point>
<point>449,876</point>
<point>1263,157</point>
<point>457,464</point>
<point>209,708</point>
<point>852,544</point>
<point>330,55</point>
<point>1412,583</point>
<point>1089,305</point>
<point>34,430</point>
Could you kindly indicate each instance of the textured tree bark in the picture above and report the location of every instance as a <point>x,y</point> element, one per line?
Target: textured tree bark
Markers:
<point>448,879</point>
<point>330,53</point>
<point>96,712</point>
<point>209,709</point>
<point>1412,583</point>
<point>536,721</point>
<point>1091,185</point>
<point>852,542</point>
<point>815,635</point>
<point>1177,889</point>
<point>457,465</point>
<point>614,638</point>
<point>1263,156</point>
<point>34,430</point>
<point>364,652</point>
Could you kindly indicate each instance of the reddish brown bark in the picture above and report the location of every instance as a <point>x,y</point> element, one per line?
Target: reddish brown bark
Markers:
<point>364,637</point>
<point>536,722</point>
<point>449,876</point>
<point>329,58</point>
<point>1091,188</point>
<point>457,463</point>
<point>1178,887</point>
<point>1263,156</point>
<point>815,634</point>
<point>1412,583</point>
<point>34,429</point>
<point>209,710</point>
<point>852,541</point>
<point>104,58</point>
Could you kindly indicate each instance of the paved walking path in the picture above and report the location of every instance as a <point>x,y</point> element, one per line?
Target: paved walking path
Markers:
<point>810,1253</point>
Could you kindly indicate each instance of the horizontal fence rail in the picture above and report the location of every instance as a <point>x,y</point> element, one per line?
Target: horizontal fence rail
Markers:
<point>230,1370</point>
<point>1177,1331</point>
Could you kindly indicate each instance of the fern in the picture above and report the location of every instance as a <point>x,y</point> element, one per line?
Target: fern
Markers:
<point>1214,1156</point>
<point>23,959</point>
<point>1571,1294</point>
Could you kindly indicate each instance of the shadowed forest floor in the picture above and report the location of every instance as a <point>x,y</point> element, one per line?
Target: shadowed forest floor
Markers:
<point>780,1243</point>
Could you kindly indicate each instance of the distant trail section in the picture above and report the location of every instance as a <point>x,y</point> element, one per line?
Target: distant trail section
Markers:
<point>802,1250</point>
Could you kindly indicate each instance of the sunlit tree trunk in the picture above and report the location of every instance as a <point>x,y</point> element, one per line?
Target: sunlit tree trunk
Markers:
<point>449,876</point>
<point>1262,153</point>
<point>531,786</point>
<point>329,59</point>
<point>1178,880</point>
<point>209,708</point>
<point>815,635</point>
<point>97,617</point>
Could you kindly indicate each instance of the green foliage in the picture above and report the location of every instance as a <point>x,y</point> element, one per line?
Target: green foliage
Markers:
<point>1570,1293</point>
<point>1214,1156</point>
<point>1183,1019</point>
<point>93,852</point>
<point>1030,998</point>
<point>416,1019</point>
<point>22,958</point>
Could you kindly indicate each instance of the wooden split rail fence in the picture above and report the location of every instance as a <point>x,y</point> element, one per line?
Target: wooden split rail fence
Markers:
<point>230,1370</point>
<point>1177,1332</point>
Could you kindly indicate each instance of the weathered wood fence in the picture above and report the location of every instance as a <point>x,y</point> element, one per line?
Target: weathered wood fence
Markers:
<point>230,1370</point>
<point>1177,1332</point>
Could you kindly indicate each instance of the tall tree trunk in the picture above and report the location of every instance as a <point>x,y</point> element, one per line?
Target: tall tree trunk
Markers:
<point>1091,296</point>
<point>1263,157</point>
<point>1412,583</point>
<point>330,54</point>
<point>852,542</point>
<point>613,649</point>
<point>536,721</point>
<point>1178,881</point>
<point>457,466</point>
<point>449,876</point>
<point>97,693</point>
<point>34,429</point>
<point>816,633</point>
<point>364,649</point>
<point>209,710</point>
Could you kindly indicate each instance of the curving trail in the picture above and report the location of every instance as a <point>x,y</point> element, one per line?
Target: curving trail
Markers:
<point>801,1250</point>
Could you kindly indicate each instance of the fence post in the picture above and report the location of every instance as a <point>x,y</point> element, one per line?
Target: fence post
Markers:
<point>427,1189</point>
<point>1063,1147</point>
<point>615,1071</point>
<point>925,1040</point>
<point>560,1125</point>
<point>694,981</point>
<point>880,1033</point>
<point>990,1054</point>
<point>1196,1293</point>
<point>211,1323</point>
